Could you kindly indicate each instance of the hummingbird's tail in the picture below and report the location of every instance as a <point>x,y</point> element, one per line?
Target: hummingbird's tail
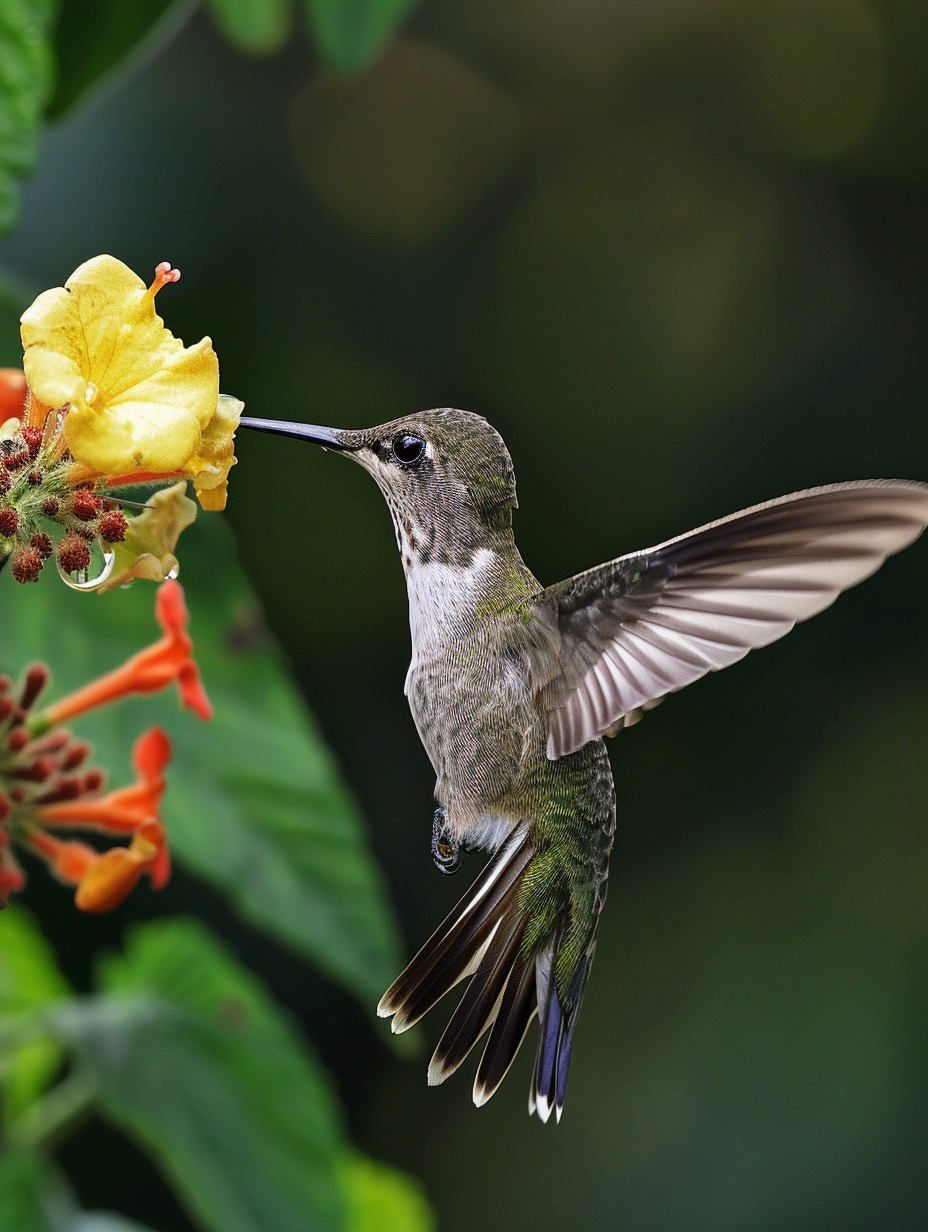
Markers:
<point>552,1061</point>
<point>481,939</point>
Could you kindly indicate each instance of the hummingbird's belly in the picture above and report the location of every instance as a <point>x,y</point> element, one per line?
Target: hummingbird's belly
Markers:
<point>479,727</point>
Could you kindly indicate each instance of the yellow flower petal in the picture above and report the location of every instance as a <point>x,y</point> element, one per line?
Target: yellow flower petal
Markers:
<point>139,398</point>
<point>210,468</point>
<point>148,548</point>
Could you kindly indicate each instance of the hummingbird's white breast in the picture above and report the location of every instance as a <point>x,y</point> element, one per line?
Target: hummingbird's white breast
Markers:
<point>443,599</point>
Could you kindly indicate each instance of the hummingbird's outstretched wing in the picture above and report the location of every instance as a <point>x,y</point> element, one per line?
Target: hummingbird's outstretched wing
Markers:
<point>631,631</point>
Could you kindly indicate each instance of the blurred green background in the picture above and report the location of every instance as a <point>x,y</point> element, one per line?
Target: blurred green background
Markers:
<point>677,252</point>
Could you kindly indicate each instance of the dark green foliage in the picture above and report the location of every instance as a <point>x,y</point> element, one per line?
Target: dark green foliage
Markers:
<point>256,26</point>
<point>20,1210</point>
<point>185,1052</point>
<point>25,78</point>
<point>95,37</point>
<point>350,33</point>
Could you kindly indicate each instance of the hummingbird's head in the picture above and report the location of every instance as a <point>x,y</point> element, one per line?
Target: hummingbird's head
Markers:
<point>446,476</point>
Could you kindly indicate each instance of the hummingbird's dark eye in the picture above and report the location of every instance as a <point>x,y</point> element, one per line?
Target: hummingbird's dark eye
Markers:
<point>408,449</point>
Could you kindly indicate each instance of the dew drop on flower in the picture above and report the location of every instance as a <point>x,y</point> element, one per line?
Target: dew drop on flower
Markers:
<point>99,569</point>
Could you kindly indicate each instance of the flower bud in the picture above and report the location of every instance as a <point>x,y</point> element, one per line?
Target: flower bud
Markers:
<point>5,479</point>
<point>26,565</point>
<point>51,506</point>
<point>75,755</point>
<point>34,478</point>
<point>113,526</point>
<point>35,682</point>
<point>86,505</point>
<point>43,544</point>
<point>9,522</point>
<point>93,780</point>
<point>36,772</point>
<point>17,739</point>
<point>73,553</point>
<point>33,439</point>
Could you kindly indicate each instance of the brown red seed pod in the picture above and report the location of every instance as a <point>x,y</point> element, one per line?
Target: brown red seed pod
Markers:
<point>26,565</point>
<point>73,553</point>
<point>18,794</point>
<point>35,478</point>
<point>53,742</point>
<point>85,505</point>
<point>93,780</point>
<point>18,458</point>
<point>9,522</point>
<point>5,479</point>
<point>33,439</point>
<point>65,789</point>
<point>35,682</point>
<point>17,739</point>
<point>113,526</point>
<point>6,682</point>
<point>43,544</point>
<point>75,756</point>
<point>6,709</point>
<point>36,772</point>
<point>51,506</point>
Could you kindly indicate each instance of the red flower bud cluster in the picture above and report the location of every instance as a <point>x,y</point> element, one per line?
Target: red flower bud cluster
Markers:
<point>43,787</point>
<point>38,479</point>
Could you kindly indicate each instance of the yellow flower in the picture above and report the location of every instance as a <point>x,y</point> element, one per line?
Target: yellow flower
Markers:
<point>140,402</point>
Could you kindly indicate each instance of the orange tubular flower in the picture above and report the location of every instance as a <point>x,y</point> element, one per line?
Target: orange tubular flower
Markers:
<point>148,671</point>
<point>42,786</point>
<point>121,811</point>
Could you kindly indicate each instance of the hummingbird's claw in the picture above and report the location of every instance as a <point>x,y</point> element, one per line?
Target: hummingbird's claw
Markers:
<point>446,850</point>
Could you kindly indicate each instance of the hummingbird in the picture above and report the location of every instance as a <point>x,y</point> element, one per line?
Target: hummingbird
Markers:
<point>513,685</point>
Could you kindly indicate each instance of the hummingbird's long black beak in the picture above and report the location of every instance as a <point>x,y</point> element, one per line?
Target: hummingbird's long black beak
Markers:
<point>330,438</point>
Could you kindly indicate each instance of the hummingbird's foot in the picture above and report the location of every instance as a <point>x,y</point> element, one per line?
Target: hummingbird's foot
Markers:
<point>446,850</point>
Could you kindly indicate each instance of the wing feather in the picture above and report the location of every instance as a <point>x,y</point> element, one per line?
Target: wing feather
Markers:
<point>647,624</point>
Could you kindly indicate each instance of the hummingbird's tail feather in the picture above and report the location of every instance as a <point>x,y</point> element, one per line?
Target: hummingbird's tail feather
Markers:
<point>516,1011</point>
<point>477,1010</point>
<point>552,1061</point>
<point>459,945</point>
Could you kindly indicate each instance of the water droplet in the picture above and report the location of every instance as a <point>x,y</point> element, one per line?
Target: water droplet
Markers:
<point>96,573</point>
<point>91,395</point>
<point>172,573</point>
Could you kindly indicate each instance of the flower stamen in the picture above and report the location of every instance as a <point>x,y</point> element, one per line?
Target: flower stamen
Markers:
<point>163,275</point>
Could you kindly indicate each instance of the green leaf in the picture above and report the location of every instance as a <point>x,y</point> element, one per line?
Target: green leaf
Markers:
<point>95,37</point>
<point>254,802</point>
<point>256,26</point>
<point>20,1182</point>
<point>352,33</point>
<point>29,978</point>
<point>381,1199</point>
<point>25,82</point>
<point>217,1083</point>
<point>168,1079</point>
